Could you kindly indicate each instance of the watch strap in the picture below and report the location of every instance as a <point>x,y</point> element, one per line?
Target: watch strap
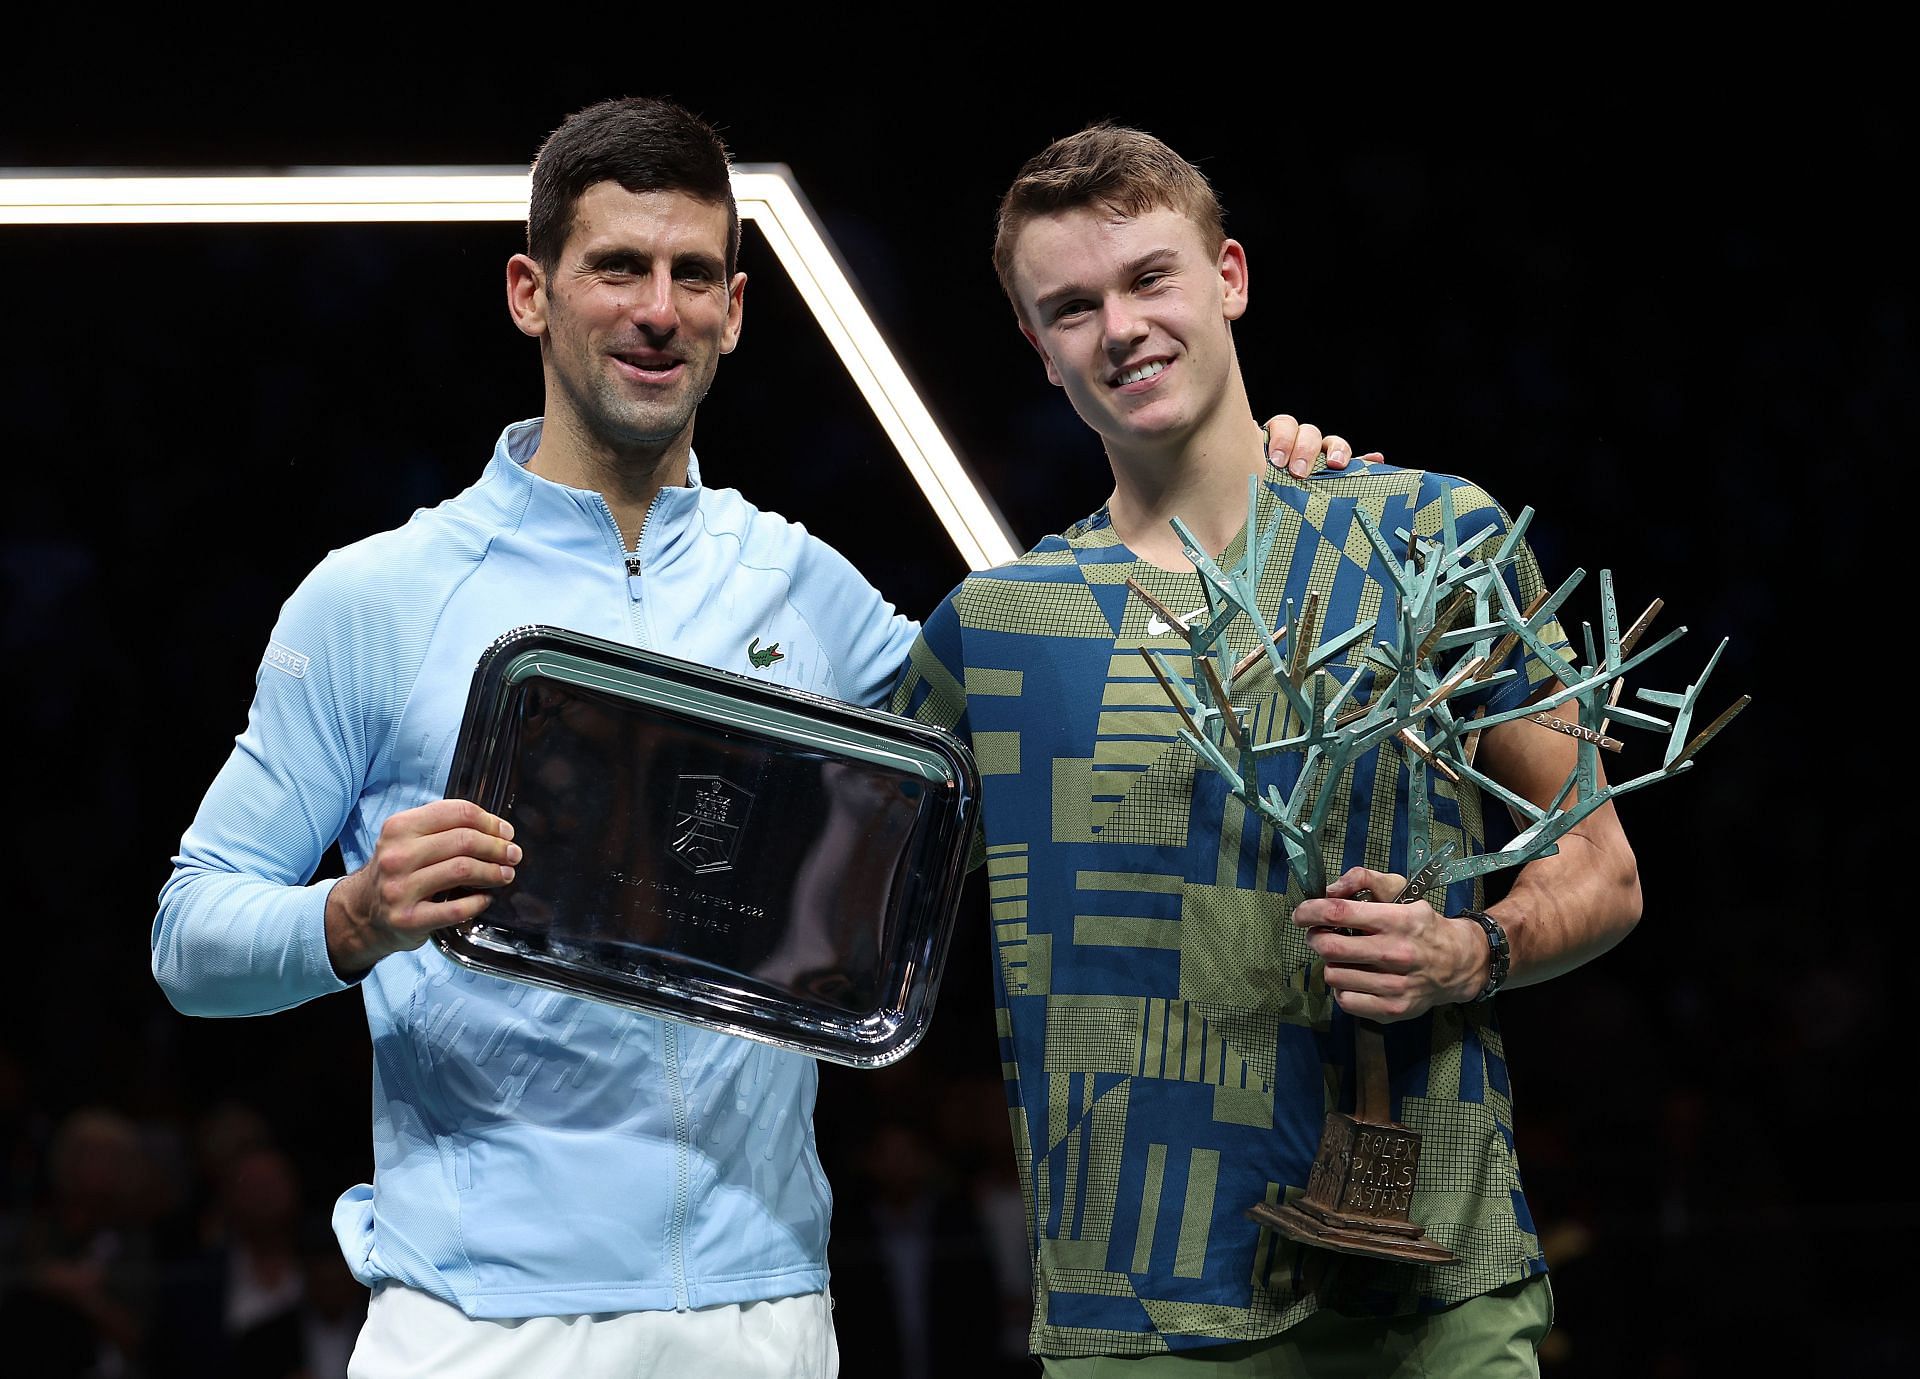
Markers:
<point>1499,956</point>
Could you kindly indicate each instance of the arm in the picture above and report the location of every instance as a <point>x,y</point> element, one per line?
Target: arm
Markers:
<point>931,692</point>
<point>1561,911</point>
<point>240,931</point>
<point>1402,960</point>
<point>930,689</point>
<point>865,640</point>
<point>1571,907</point>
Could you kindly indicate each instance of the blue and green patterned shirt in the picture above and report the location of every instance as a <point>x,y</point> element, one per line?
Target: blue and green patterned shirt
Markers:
<point>1170,1049</point>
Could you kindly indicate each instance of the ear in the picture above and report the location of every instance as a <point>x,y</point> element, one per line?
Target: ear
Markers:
<point>527,295</point>
<point>736,307</point>
<point>1053,374</point>
<point>1233,280</point>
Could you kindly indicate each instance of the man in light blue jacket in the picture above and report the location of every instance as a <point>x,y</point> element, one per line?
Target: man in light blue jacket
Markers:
<point>559,1185</point>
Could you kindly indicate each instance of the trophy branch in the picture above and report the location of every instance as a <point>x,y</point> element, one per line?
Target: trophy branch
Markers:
<point>1451,628</point>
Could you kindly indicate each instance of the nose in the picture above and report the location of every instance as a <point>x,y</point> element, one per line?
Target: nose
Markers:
<point>1121,325</point>
<point>654,309</point>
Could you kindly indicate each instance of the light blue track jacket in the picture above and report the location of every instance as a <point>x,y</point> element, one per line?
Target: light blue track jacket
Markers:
<point>535,1154</point>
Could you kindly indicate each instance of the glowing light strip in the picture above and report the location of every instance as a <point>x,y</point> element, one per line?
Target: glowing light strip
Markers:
<point>268,198</point>
<point>767,195</point>
<point>801,245</point>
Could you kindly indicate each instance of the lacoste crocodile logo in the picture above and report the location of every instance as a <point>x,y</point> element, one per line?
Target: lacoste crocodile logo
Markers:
<point>763,659</point>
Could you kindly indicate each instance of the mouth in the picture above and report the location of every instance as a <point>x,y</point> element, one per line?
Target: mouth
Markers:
<point>649,366</point>
<point>1137,378</point>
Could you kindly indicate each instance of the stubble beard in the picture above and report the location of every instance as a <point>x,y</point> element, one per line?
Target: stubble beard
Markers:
<point>617,423</point>
<point>609,418</point>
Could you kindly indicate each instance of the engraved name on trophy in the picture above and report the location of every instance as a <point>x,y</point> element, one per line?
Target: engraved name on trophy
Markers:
<point>1455,623</point>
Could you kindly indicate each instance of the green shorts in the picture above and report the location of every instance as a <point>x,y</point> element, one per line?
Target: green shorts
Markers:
<point>1495,1335</point>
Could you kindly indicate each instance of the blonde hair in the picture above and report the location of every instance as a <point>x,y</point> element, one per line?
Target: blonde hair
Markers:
<point>1124,170</point>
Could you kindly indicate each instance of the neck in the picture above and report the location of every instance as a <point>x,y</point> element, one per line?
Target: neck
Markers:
<point>1199,477</point>
<point>629,478</point>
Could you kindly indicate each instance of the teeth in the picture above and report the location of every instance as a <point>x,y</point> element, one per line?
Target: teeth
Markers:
<point>1144,371</point>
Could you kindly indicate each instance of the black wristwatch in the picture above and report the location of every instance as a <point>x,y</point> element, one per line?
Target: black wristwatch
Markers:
<point>1499,956</point>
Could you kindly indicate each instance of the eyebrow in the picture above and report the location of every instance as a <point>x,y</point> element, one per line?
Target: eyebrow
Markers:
<point>689,258</point>
<point>1131,269</point>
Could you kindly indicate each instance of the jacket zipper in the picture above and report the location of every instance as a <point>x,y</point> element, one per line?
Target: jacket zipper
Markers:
<point>670,1042</point>
<point>630,559</point>
<point>677,1229</point>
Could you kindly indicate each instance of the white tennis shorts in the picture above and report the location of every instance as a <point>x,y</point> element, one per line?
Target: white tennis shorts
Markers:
<point>410,1334</point>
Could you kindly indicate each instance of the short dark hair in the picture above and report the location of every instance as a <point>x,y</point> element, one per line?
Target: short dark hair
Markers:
<point>1125,170</point>
<point>644,144</point>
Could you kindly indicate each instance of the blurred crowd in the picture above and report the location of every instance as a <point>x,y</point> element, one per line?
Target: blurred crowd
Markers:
<point>132,1248</point>
<point>195,1242</point>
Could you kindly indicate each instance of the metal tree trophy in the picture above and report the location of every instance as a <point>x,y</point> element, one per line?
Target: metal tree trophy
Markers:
<point>1456,623</point>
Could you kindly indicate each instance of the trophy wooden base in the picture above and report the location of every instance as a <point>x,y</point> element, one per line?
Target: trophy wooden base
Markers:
<point>1358,1195</point>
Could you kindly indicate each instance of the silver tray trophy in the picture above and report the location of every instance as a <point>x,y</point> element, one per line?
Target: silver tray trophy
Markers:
<point>714,849</point>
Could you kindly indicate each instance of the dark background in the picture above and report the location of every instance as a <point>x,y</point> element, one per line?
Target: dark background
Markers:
<point>1669,312</point>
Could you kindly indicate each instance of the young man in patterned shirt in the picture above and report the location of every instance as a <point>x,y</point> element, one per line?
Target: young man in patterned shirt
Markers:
<point>1176,1019</point>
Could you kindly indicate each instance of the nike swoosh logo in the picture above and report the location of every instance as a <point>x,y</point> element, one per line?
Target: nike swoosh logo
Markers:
<point>1157,626</point>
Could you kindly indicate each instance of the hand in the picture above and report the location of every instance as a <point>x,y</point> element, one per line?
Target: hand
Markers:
<point>1293,446</point>
<point>1400,960</point>
<point>388,906</point>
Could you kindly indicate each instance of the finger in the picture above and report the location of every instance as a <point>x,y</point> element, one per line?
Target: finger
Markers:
<point>442,815</point>
<point>1281,431</point>
<point>1383,1010</point>
<point>1306,449</point>
<point>1338,452</point>
<point>428,915</point>
<point>1385,996</point>
<point>1312,914</point>
<point>1338,947</point>
<point>1350,916</point>
<point>1373,457</point>
<point>1356,950</point>
<point>1346,979</point>
<point>409,870</point>
<point>1344,917</point>
<point>401,892</point>
<point>1384,885</point>
<point>419,853</point>
<point>458,872</point>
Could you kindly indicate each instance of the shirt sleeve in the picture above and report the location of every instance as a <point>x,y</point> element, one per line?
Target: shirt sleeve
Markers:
<point>933,692</point>
<point>931,689</point>
<point>865,638</point>
<point>241,926</point>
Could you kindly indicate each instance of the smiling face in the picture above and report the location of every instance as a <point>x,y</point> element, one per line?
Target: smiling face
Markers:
<point>633,317</point>
<point>1131,316</point>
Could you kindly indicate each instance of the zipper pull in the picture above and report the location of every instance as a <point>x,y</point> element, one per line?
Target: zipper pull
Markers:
<point>633,576</point>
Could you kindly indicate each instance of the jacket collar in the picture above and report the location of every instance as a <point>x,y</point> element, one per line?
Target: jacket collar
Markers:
<point>542,500</point>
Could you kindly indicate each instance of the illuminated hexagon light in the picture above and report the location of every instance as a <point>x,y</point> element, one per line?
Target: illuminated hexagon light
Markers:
<point>767,194</point>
